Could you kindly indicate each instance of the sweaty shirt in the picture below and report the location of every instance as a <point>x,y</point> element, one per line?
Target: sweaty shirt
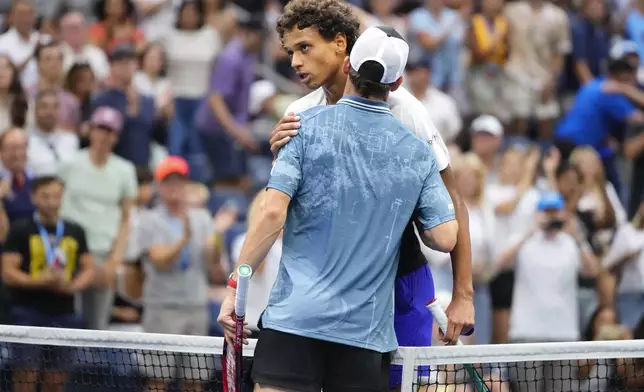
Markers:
<point>356,175</point>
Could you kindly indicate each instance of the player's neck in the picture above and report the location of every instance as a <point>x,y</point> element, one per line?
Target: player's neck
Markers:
<point>335,89</point>
<point>350,90</point>
<point>47,220</point>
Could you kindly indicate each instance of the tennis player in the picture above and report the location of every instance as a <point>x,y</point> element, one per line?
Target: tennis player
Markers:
<point>317,35</point>
<point>344,190</point>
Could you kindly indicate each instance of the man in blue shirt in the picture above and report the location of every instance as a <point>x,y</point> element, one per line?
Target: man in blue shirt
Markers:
<point>598,112</point>
<point>350,181</point>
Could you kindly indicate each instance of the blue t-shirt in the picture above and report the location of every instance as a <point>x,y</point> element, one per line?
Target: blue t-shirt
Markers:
<point>355,175</point>
<point>594,115</point>
<point>634,29</point>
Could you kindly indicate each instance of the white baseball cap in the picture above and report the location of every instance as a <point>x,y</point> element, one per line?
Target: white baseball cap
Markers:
<point>380,55</point>
<point>488,124</point>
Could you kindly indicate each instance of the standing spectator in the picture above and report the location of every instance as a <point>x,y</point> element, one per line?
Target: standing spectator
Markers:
<point>435,35</point>
<point>222,15</point>
<point>590,48</point>
<point>49,145</point>
<point>19,43</point>
<point>176,244</point>
<point>487,139</point>
<point>136,109</point>
<point>155,17</point>
<point>380,13</point>
<point>45,262</point>
<point>13,101</point>
<point>80,82</point>
<point>634,149</point>
<point>100,189</point>
<point>539,41</point>
<point>16,180</point>
<point>223,116</point>
<point>487,40</point>
<point>151,80</point>
<point>49,58</point>
<point>116,26</point>
<point>76,49</point>
<point>191,49</point>
<point>440,106</point>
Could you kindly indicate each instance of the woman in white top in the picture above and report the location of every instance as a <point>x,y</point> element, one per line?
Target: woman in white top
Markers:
<point>151,80</point>
<point>191,48</point>
<point>470,179</point>
<point>13,100</point>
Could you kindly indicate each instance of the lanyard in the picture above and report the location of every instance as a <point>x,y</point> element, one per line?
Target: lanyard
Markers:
<point>44,236</point>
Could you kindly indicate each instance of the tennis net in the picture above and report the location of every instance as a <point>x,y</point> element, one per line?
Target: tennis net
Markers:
<point>53,359</point>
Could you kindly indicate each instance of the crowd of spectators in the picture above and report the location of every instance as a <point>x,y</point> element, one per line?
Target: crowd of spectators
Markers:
<point>144,125</point>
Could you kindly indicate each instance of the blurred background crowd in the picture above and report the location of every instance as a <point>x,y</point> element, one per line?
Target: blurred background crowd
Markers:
<point>145,125</point>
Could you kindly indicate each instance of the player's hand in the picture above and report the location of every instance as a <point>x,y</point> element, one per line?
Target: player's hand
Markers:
<point>285,129</point>
<point>460,318</point>
<point>226,318</point>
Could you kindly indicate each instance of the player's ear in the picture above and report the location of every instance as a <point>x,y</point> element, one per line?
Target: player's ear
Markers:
<point>397,84</point>
<point>346,66</point>
<point>340,42</point>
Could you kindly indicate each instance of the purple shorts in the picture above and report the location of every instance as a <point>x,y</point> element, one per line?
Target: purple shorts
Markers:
<point>412,321</point>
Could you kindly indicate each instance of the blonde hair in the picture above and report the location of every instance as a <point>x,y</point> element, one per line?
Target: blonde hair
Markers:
<point>585,151</point>
<point>472,162</point>
<point>197,194</point>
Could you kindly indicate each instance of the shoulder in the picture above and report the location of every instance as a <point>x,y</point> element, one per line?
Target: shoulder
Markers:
<point>23,226</point>
<point>121,164</point>
<point>412,113</point>
<point>73,228</point>
<point>310,100</point>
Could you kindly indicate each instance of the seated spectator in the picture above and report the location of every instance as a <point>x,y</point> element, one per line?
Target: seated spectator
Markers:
<point>176,245</point>
<point>49,145</point>
<point>137,110</point>
<point>441,107</point>
<point>51,77</point>
<point>19,43</point>
<point>45,262</point>
<point>76,49</point>
<point>116,26</point>
<point>80,82</point>
<point>13,100</point>
<point>16,179</point>
<point>100,189</point>
<point>487,139</point>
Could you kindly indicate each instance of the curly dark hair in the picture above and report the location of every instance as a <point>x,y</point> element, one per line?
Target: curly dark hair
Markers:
<point>329,17</point>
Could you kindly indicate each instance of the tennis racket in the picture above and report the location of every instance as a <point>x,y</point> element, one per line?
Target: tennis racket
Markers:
<point>441,318</point>
<point>231,361</point>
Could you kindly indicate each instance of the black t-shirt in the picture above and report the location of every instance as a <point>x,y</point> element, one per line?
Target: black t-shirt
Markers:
<point>24,239</point>
<point>411,257</point>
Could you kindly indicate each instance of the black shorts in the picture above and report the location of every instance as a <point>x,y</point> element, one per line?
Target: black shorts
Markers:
<point>501,288</point>
<point>296,363</point>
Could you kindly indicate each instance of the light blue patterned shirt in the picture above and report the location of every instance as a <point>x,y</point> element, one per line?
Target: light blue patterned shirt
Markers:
<point>355,175</point>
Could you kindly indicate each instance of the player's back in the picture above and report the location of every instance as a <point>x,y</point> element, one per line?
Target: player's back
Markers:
<point>361,176</point>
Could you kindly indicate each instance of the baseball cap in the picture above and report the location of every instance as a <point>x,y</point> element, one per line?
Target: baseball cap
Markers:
<point>550,201</point>
<point>380,55</point>
<point>620,52</point>
<point>122,51</point>
<point>171,165</point>
<point>107,117</point>
<point>488,124</point>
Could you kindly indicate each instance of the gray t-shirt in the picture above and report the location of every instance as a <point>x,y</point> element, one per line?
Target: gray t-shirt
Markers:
<point>186,283</point>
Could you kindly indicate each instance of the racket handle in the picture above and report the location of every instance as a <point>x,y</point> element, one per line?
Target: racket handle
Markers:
<point>244,273</point>
<point>441,317</point>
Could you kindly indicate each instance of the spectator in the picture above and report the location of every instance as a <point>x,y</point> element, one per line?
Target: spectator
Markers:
<point>222,15</point>
<point>137,110</point>
<point>151,81</point>
<point>535,62</point>
<point>13,102</point>
<point>435,35</point>
<point>49,145</point>
<point>51,76</point>
<point>634,149</point>
<point>470,176</point>
<point>80,82</point>
<point>380,13</point>
<point>176,245</point>
<point>19,43</point>
<point>116,26</point>
<point>440,106</point>
<point>590,48</point>
<point>100,189</point>
<point>76,49</point>
<point>45,262</point>
<point>224,115</point>
<point>191,48</point>
<point>16,179</point>
<point>487,138</point>
<point>155,17</point>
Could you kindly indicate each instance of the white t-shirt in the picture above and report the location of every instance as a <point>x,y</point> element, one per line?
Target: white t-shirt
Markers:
<point>262,281</point>
<point>544,302</point>
<point>46,151</point>
<point>151,88</point>
<point>481,237</point>
<point>91,55</point>
<point>520,220</point>
<point>405,107</point>
<point>18,50</point>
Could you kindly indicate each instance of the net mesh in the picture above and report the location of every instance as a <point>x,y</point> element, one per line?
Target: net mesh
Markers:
<point>52,359</point>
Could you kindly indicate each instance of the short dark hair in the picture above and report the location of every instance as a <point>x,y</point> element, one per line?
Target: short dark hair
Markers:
<point>144,175</point>
<point>328,17</point>
<point>42,181</point>
<point>47,45</point>
<point>566,166</point>
<point>367,88</point>
<point>200,11</point>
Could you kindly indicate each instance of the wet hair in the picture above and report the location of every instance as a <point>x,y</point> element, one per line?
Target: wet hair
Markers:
<point>367,88</point>
<point>328,17</point>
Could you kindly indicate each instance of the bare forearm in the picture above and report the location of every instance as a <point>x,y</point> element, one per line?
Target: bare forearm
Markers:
<point>4,223</point>
<point>118,249</point>
<point>634,146</point>
<point>18,278</point>
<point>261,236</point>
<point>461,255</point>
<point>163,257</point>
<point>83,280</point>
<point>583,72</point>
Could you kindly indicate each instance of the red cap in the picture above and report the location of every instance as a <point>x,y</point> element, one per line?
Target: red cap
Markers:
<point>171,165</point>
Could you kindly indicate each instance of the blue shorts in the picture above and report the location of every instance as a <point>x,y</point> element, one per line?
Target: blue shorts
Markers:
<point>412,321</point>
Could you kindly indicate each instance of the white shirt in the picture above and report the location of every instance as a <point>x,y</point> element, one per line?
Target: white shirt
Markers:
<point>405,107</point>
<point>262,282</point>
<point>544,302</point>
<point>627,241</point>
<point>443,112</point>
<point>481,237</point>
<point>161,22</point>
<point>520,220</point>
<point>19,51</point>
<point>91,55</point>
<point>151,88</point>
<point>46,150</point>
